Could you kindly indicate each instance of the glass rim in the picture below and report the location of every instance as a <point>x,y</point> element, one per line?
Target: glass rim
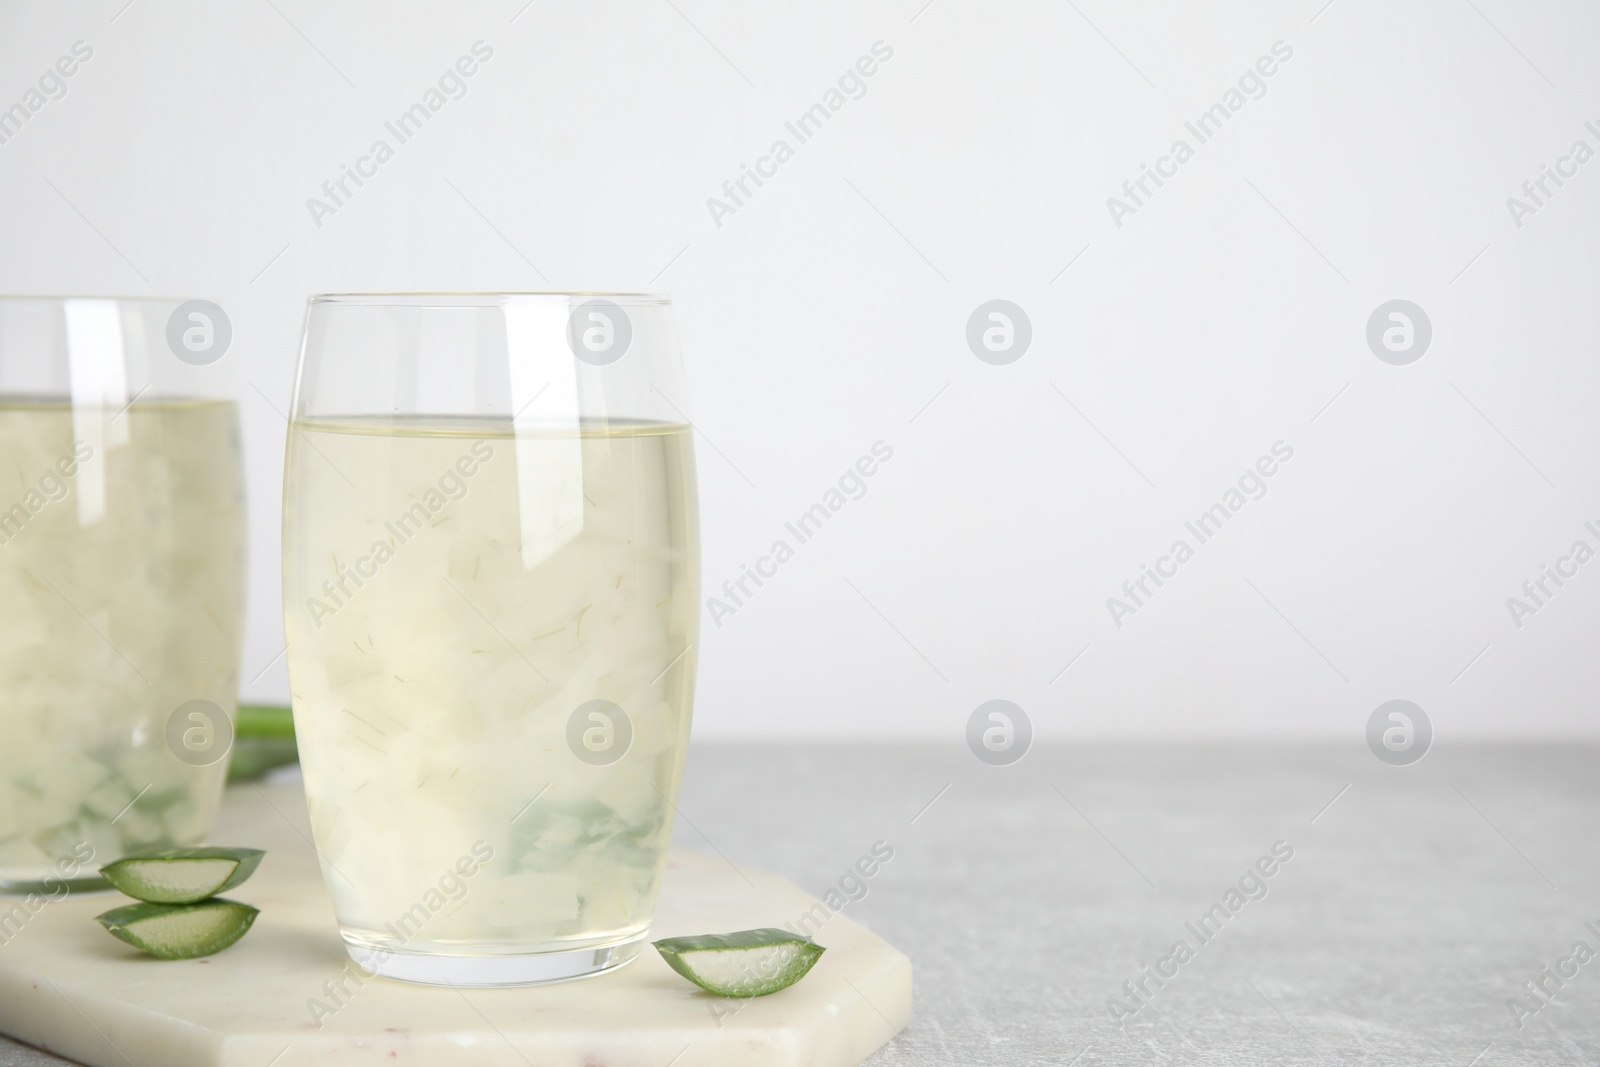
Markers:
<point>469,299</point>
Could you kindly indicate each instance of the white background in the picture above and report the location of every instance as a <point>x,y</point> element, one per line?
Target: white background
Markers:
<point>831,309</point>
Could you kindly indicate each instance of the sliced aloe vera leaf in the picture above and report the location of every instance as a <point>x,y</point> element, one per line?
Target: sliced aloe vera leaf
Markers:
<point>182,875</point>
<point>749,963</point>
<point>180,931</point>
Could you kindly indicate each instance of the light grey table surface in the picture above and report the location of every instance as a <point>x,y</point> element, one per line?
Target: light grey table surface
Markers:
<point>1413,908</point>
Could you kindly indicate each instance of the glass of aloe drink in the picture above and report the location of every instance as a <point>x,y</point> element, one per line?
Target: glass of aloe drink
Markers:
<point>490,585</point>
<point>122,552</point>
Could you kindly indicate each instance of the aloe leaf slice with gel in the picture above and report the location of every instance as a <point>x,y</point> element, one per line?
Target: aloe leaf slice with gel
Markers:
<point>181,875</point>
<point>180,931</point>
<point>749,963</point>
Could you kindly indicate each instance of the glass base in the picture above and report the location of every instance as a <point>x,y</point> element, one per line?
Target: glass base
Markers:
<point>533,968</point>
<point>52,885</point>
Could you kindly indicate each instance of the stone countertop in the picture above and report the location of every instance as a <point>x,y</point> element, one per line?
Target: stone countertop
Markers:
<point>1404,908</point>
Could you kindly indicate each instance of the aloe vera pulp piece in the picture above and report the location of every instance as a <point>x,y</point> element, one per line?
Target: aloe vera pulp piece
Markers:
<point>180,931</point>
<point>748,963</point>
<point>182,875</point>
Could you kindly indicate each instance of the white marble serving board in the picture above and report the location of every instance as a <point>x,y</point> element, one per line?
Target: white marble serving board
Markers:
<point>68,986</point>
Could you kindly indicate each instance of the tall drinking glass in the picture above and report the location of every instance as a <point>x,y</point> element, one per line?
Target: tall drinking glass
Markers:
<point>122,544</point>
<point>491,584</point>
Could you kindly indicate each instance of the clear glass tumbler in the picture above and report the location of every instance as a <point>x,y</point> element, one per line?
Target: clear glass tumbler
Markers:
<point>122,569</point>
<point>491,586</point>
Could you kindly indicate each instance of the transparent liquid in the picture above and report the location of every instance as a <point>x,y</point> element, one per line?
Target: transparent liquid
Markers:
<point>453,594</point>
<point>122,540</point>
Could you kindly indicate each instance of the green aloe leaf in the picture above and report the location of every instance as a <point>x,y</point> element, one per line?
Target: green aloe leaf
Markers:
<point>182,875</point>
<point>749,963</point>
<point>180,931</point>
